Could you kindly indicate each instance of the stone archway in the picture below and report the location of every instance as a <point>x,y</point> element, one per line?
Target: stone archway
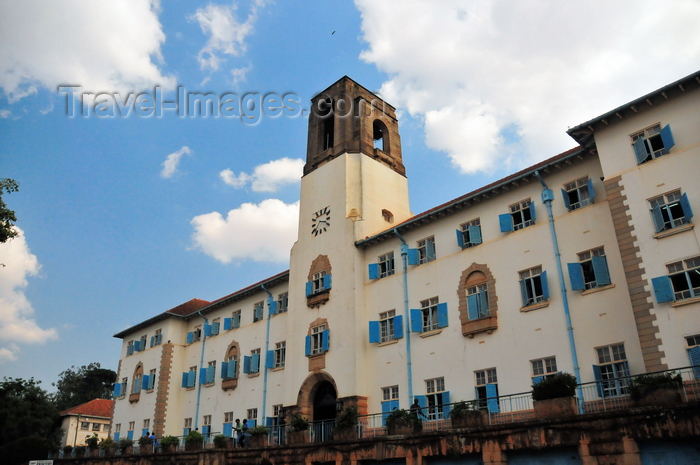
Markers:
<point>324,401</point>
<point>317,397</point>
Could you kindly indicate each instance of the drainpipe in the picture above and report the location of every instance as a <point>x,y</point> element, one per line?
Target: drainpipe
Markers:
<point>267,342</point>
<point>201,365</point>
<point>407,323</point>
<point>547,197</point>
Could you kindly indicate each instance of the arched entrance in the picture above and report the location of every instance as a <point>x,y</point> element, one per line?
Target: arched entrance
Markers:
<point>324,402</point>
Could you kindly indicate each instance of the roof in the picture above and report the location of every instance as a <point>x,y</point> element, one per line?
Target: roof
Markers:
<point>453,206</point>
<point>583,133</point>
<point>94,408</point>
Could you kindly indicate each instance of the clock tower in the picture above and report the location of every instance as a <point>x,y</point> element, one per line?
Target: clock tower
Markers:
<point>354,186</point>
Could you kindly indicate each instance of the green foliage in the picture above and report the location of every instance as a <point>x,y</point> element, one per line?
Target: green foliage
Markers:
<point>107,444</point>
<point>220,441</point>
<point>463,408</point>
<point>554,387</point>
<point>67,449</point>
<point>145,441</point>
<point>92,441</point>
<point>125,442</point>
<point>643,385</point>
<point>259,430</point>
<point>194,437</point>
<point>172,441</point>
<point>299,423</point>
<point>80,451</point>
<point>401,419</point>
<point>25,449</point>
<point>77,386</point>
<point>7,216</point>
<point>348,417</point>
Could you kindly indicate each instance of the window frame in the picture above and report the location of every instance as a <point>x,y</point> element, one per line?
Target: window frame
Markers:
<point>534,288</point>
<point>592,263</point>
<point>612,371</point>
<point>670,213</point>
<point>542,368</point>
<point>280,354</point>
<point>469,234</point>
<point>652,142</point>
<point>578,187</point>
<point>426,250</point>
<point>486,389</point>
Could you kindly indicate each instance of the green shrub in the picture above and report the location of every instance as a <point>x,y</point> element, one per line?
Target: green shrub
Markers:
<point>170,441</point>
<point>67,449</point>
<point>259,431</point>
<point>554,387</point>
<point>403,418</point>
<point>107,443</point>
<point>194,437</point>
<point>92,441</point>
<point>299,423</point>
<point>643,385</point>
<point>125,442</point>
<point>462,408</point>
<point>220,441</point>
<point>145,441</point>
<point>348,417</point>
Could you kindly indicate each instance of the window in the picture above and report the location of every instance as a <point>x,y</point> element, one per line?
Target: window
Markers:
<point>146,423</point>
<point>694,353</point>
<point>206,425</point>
<point>578,193</point>
<point>130,348</point>
<point>251,364</point>
<point>188,427</point>
<point>85,425</point>
<point>280,354</point>
<point>120,388</point>
<point>533,286</point>
<point>189,378</point>
<point>436,399</point>
<point>612,371</point>
<point>317,341</point>
<point>478,301</point>
<point>136,385</point>
<point>252,417</point>
<point>228,424</point>
<point>670,210</point>
<point>318,284</point>
<point>682,282</point>
<point>386,323</point>
<point>142,343</point>
<point>543,368</point>
<point>390,401</point>
<point>388,216</point>
<point>233,322</point>
<point>157,338</point>
<point>384,268</point>
<point>652,143</point>
<point>95,426</point>
<point>228,368</point>
<point>208,374</point>
<point>426,250</point>
<point>388,328</point>
<point>522,215</point>
<point>591,271</point>
<point>487,389</point>
<point>430,317</point>
<point>118,428</point>
<point>258,311</point>
<point>151,382</point>
<point>214,328</point>
<point>228,417</point>
<point>469,234</point>
<point>132,425</point>
<point>282,302</point>
<point>195,335</point>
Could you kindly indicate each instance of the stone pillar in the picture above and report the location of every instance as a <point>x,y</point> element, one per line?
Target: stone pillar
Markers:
<point>492,454</point>
<point>631,454</point>
<point>585,453</point>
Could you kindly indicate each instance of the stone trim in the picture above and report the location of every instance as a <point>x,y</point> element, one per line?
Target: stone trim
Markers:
<point>487,324</point>
<point>632,262</point>
<point>317,362</point>
<point>135,396</point>
<point>307,390</point>
<point>162,388</point>
<point>233,348</point>
<point>320,263</point>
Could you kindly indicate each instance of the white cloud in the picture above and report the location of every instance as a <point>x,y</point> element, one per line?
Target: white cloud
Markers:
<point>172,161</point>
<point>239,74</point>
<point>268,177</point>
<point>17,325</point>
<point>484,74</point>
<point>5,114</point>
<point>263,233</point>
<point>226,34</point>
<point>101,46</point>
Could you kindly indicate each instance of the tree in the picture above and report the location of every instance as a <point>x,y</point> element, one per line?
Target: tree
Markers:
<point>7,216</point>
<point>79,385</point>
<point>29,421</point>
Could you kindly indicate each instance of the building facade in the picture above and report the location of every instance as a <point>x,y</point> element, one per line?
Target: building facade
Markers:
<point>85,420</point>
<point>587,262</point>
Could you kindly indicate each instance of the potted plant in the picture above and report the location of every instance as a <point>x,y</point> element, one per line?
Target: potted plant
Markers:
<point>403,422</point>
<point>92,442</point>
<point>223,442</point>
<point>299,426</point>
<point>80,451</point>
<point>554,396</point>
<point>346,424</point>
<point>467,414</point>
<point>145,445</point>
<point>194,441</point>
<point>258,436</point>
<point>169,444</point>
<point>126,445</point>
<point>662,389</point>
<point>107,445</point>
<point>67,450</point>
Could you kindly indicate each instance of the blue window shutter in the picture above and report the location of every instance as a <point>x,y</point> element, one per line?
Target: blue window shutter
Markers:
<point>533,214</point>
<point>185,431</point>
<point>413,257</point>
<point>228,430</point>
<point>685,205</point>
<point>130,349</point>
<point>153,341</point>
<point>325,343</point>
<point>545,285</point>
<point>252,423</point>
<point>116,437</point>
<point>374,332</point>
<point>460,238</point>
<point>576,276</point>
<point>566,198</point>
<point>202,376</point>
<point>327,281</point>
<point>246,364</point>
<point>227,324</point>
<point>309,288</point>
<point>185,378</point>
<point>307,346</point>
<point>667,137</point>
<point>600,268</point>
<point>657,218</point>
<point>224,370</point>
<point>445,407</point>
<point>215,326</point>
<point>159,339</point>
<point>483,304</point>
<point>663,290</point>
<point>473,306</point>
<point>255,363</point>
<point>386,409</point>
<point>144,431</point>
<point>191,378</point>
<point>136,346</point>
<point>270,360</point>
<point>598,375</point>
<point>130,435</point>
<point>537,380</point>
<point>206,429</point>
<point>137,386</point>
<point>373,270</point>
<point>422,401</point>
<point>523,292</point>
<point>232,368</point>
<point>190,337</point>
<point>591,192</point>
<point>257,312</point>
<point>269,421</point>
<point>151,381</point>
<point>475,234</point>
<point>442,315</point>
<point>211,373</point>
<point>207,330</point>
<point>273,307</point>
<point>116,390</point>
<point>237,320</point>
<point>430,250</point>
<point>506,222</point>
<point>416,320</point>
<point>492,398</point>
<point>640,150</point>
<point>144,382</point>
<point>694,355</point>
<point>398,327</point>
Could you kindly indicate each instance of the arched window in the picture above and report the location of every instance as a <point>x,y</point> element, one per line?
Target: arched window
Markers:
<point>230,367</point>
<point>478,306</point>
<point>380,135</point>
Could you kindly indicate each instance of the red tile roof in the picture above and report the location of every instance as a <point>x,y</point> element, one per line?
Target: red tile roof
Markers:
<point>94,408</point>
<point>188,307</point>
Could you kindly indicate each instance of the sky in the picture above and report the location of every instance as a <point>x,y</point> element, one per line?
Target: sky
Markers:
<point>130,205</point>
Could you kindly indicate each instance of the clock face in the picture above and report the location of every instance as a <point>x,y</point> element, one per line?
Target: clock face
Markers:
<point>321,221</point>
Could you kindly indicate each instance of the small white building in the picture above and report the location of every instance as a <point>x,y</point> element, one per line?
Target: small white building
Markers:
<point>587,262</point>
<point>85,420</point>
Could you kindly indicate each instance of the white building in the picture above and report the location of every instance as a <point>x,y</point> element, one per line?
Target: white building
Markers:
<point>86,420</point>
<point>471,299</point>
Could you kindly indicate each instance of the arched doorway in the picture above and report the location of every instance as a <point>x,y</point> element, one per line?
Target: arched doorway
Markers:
<point>324,402</point>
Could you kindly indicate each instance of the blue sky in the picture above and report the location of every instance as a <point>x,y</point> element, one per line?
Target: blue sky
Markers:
<point>122,218</point>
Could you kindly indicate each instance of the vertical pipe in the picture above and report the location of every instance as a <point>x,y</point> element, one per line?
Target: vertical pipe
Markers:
<point>407,316</point>
<point>201,365</point>
<point>267,343</point>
